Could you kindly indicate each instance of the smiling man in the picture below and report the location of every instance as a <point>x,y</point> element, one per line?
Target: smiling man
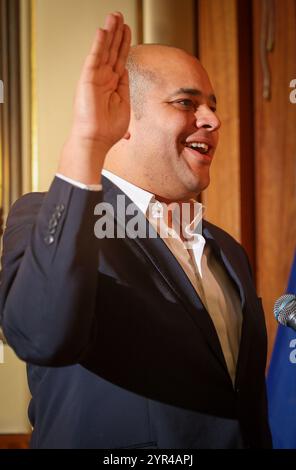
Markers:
<point>173,132</point>
<point>135,342</point>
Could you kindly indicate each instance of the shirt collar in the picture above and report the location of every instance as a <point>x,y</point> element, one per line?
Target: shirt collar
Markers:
<point>143,199</point>
<point>138,196</point>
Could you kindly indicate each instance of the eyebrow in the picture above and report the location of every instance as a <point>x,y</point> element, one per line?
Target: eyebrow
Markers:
<point>192,92</point>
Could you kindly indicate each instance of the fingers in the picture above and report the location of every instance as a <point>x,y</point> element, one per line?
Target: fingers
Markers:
<point>117,38</point>
<point>97,51</point>
<point>123,51</point>
<point>111,44</point>
<point>110,27</point>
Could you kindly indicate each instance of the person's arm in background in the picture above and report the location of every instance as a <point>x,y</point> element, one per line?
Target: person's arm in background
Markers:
<point>50,254</point>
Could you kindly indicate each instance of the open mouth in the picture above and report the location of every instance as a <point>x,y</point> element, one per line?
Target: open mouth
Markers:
<point>200,147</point>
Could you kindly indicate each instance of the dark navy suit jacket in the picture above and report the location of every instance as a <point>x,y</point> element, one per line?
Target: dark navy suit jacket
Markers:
<point>121,351</point>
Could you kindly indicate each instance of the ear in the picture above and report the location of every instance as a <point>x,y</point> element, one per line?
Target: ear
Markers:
<point>127,135</point>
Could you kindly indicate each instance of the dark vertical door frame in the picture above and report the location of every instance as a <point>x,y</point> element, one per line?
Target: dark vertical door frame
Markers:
<point>246,128</point>
<point>10,110</point>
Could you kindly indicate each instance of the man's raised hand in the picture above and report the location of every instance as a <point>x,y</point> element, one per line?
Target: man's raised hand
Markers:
<point>102,104</point>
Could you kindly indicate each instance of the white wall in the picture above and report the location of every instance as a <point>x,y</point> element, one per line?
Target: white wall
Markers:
<point>14,395</point>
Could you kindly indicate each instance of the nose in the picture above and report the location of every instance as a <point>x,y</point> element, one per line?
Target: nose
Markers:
<point>207,118</point>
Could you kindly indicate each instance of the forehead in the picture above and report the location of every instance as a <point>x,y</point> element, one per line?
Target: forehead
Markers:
<point>177,70</point>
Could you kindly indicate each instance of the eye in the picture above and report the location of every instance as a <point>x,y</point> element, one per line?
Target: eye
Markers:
<point>185,103</point>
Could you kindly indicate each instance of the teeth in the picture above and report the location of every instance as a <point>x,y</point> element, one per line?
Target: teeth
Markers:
<point>199,145</point>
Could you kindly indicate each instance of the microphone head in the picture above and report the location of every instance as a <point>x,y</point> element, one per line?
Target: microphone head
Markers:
<point>285,308</point>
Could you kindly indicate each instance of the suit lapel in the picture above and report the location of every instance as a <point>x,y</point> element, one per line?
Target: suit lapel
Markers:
<point>226,256</point>
<point>157,253</point>
<point>225,251</point>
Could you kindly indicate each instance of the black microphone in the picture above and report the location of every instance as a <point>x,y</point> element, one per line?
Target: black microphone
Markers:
<point>285,310</point>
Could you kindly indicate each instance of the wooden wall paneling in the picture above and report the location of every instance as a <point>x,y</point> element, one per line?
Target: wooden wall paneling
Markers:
<point>225,49</point>
<point>218,52</point>
<point>275,165</point>
<point>15,441</point>
<point>246,129</point>
<point>170,22</point>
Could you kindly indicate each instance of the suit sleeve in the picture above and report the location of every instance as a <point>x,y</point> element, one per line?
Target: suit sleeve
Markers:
<point>49,275</point>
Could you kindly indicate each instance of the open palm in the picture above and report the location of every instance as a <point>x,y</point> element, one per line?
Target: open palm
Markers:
<point>102,104</point>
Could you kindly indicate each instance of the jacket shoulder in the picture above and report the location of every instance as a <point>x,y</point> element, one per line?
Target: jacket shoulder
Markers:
<point>29,200</point>
<point>221,234</point>
<point>22,215</point>
<point>229,243</point>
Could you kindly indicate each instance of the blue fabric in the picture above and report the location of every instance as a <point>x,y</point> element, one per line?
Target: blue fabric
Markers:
<point>281,382</point>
